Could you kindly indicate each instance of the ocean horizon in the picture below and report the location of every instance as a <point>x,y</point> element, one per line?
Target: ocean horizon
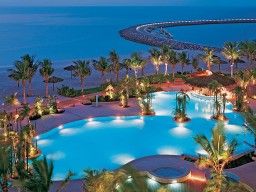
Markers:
<point>69,33</point>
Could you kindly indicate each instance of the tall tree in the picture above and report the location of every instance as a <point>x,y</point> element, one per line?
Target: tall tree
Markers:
<point>248,50</point>
<point>32,68</point>
<point>172,60</point>
<point>126,64</point>
<point>102,66</point>
<point>82,70</point>
<point>219,153</point>
<point>5,165</point>
<point>21,74</point>
<point>46,71</point>
<point>155,58</point>
<point>243,78</point>
<point>183,59</point>
<point>195,63</point>
<point>165,56</point>
<point>114,59</point>
<point>207,57</point>
<point>137,62</point>
<point>231,52</point>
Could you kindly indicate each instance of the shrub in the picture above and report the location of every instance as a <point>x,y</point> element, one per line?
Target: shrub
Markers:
<point>68,91</point>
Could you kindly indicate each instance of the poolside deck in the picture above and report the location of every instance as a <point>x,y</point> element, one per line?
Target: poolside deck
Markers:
<point>78,111</point>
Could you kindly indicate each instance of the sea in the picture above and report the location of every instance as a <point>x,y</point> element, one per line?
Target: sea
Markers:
<point>68,33</point>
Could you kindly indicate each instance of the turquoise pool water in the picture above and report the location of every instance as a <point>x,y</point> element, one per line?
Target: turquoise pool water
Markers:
<point>109,142</point>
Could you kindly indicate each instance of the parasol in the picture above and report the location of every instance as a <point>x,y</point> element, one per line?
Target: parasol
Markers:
<point>70,68</point>
<point>54,80</point>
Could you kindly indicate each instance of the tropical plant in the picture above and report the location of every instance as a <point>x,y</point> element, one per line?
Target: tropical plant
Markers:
<point>145,95</point>
<point>219,153</point>
<point>114,59</point>
<point>251,120</point>
<point>172,60</point>
<point>231,52</point>
<point>20,73</point>
<point>243,78</point>
<point>102,66</point>
<point>126,64</point>
<point>165,56</point>
<point>41,178</point>
<point>123,89</point>
<point>82,70</point>
<point>12,100</point>
<point>215,87</point>
<point>155,58</point>
<point>96,181</point>
<point>207,57</point>
<point>46,71</point>
<point>32,65</point>
<point>248,50</point>
<point>64,183</point>
<point>195,63</point>
<point>25,112</point>
<point>253,75</point>
<point>239,94</point>
<point>180,110</point>
<point>137,62</point>
<point>5,165</point>
<point>183,59</point>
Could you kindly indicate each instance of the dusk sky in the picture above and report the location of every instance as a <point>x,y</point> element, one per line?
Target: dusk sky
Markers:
<point>127,2</point>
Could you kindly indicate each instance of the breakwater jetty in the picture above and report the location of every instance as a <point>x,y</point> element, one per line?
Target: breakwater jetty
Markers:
<point>144,33</point>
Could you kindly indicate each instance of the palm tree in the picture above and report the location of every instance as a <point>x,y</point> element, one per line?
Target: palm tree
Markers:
<point>126,64</point>
<point>214,86</point>
<point>96,181</point>
<point>102,66</point>
<point>41,179</point>
<point>183,59</point>
<point>82,70</point>
<point>243,78</point>
<point>239,94</point>
<point>172,60</point>
<point>231,52</point>
<point>182,99</point>
<point>155,58</point>
<point>114,59</point>
<point>46,71</point>
<point>123,89</point>
<point>207,57</point>
<point>195,63</point>
<point>25,112</point>
<point>251,120</point>
<point>32,68</point>
<point>21,74</point>
<point>253,75</point>
<point>12,100</point>
<point>248,50</point>
<point>5,165</point>
<point>165,56</point>
<point>219,153</point>
<point>136,62</point>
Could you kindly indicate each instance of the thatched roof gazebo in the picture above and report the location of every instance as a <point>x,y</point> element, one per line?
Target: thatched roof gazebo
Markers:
<point>203,80</point>
<point>70,68</point>
<point>54,80</point>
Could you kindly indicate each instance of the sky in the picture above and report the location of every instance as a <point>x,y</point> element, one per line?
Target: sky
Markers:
<point>128,3</point>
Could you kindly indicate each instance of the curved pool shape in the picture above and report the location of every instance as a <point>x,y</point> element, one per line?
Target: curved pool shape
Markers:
<point>167,172</point>
<point>109,142</point>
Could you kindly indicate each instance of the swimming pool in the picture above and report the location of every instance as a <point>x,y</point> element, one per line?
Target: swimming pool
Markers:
<point>109,142</point>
